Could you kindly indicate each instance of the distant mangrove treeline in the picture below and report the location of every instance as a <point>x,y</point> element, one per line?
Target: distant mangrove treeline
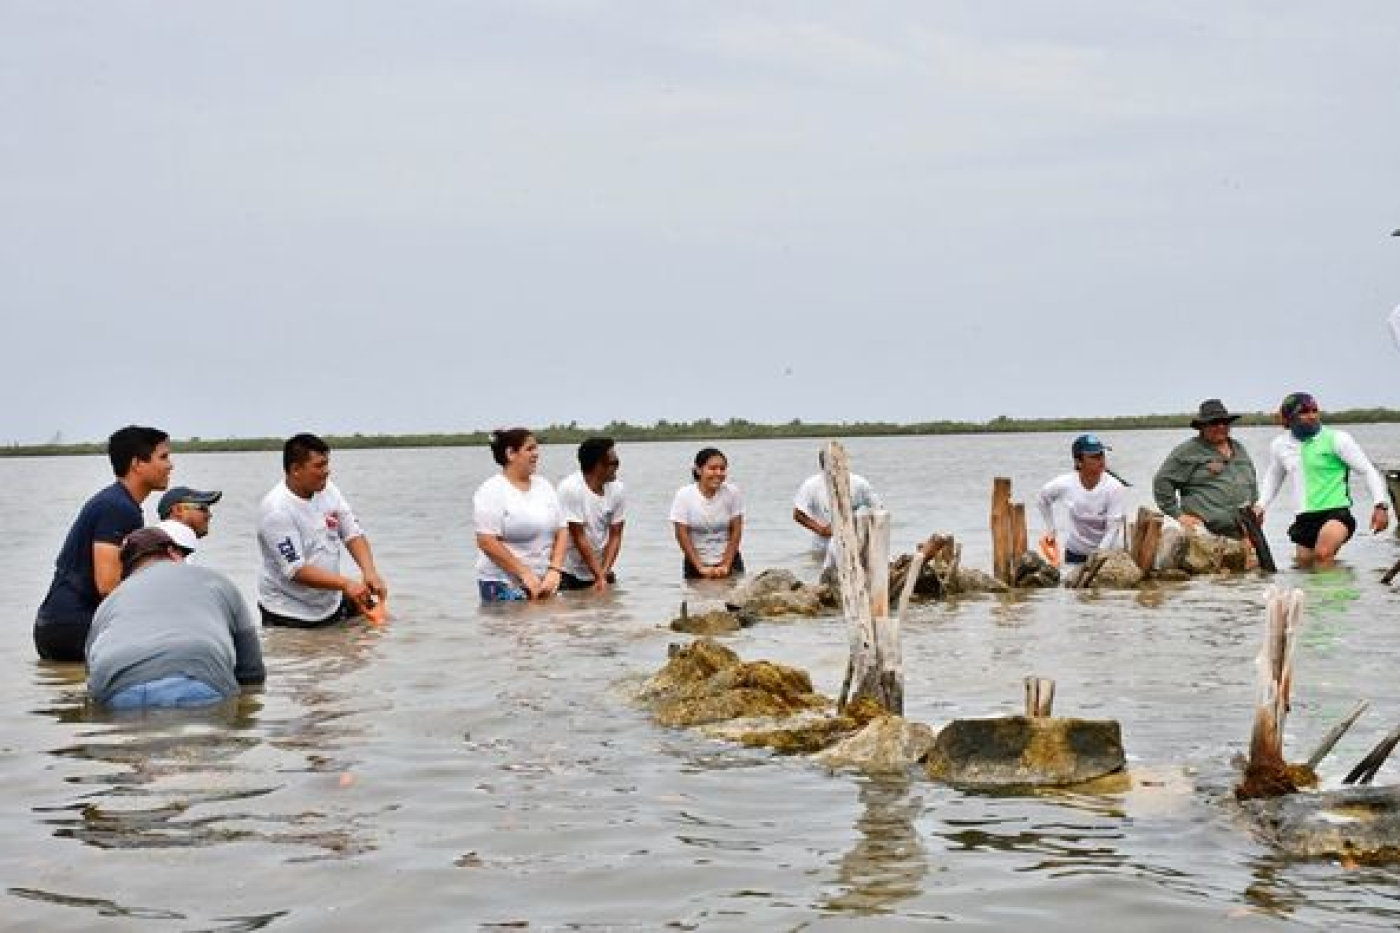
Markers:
<point>705,429</point>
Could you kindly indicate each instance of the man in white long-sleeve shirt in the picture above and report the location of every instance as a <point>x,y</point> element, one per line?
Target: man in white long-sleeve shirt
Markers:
<point>1092,499</point>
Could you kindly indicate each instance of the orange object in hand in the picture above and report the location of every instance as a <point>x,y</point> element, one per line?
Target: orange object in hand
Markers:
<point>1050,550</point>
<point>375,609</point>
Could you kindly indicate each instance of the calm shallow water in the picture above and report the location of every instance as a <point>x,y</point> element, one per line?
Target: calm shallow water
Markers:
<point>464,768</point>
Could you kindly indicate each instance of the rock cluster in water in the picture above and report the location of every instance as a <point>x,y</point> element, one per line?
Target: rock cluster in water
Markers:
<point>1360,824</point>
<point>763,704</point>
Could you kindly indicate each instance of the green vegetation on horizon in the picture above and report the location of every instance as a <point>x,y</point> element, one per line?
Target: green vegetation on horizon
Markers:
<point>707,430</point>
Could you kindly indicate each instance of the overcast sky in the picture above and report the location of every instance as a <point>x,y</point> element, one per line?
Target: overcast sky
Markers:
<point>250,218</point>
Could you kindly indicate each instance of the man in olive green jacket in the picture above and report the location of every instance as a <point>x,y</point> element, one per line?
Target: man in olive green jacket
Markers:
<point>1205,480</point>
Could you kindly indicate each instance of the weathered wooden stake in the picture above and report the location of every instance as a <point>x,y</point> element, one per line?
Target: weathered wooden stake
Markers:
<point>1001,529</point>
<point>1266,774</point>
<point>1019,540</point>
<point>1335,734</point>
<point>1089,570</point>
<point>1040,697</point>
<point>876,668</point>
<point>1366,770</point>
<point>1147,535</point>
<point>1390,574</point>
<point>1255,533</point>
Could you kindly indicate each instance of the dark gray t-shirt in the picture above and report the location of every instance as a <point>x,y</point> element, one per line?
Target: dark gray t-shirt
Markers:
<point>170,619</point>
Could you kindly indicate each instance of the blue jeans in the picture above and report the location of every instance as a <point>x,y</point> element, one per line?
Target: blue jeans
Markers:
<point>166,692</point>
<point>494,591</point>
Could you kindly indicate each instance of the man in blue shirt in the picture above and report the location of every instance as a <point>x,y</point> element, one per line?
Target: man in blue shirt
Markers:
<point>89,564</point>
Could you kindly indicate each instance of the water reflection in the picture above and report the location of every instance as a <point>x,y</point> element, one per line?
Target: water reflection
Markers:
<point>1284,887</point>
<point>103,907</point>
<point>888,863</point>
<point>1055,841</point>
<point>165,779</point>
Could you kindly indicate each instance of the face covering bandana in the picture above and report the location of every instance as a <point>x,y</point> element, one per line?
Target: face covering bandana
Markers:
<point>1304,432</point>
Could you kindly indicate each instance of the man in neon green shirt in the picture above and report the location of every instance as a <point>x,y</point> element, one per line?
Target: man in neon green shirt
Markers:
<point>1319,460</point>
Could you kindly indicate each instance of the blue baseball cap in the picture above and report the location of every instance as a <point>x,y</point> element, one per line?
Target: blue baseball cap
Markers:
<point>1088,444</point>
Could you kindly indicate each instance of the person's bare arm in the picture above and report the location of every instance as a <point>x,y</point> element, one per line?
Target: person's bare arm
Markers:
<point>106,567</point>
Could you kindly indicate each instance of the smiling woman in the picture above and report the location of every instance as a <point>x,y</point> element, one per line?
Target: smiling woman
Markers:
<point>708,518</point>
<point>520,528</point>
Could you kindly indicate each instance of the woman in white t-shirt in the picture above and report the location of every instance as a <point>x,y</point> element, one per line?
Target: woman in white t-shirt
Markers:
<point>708,516</point>
<point>520,529</point>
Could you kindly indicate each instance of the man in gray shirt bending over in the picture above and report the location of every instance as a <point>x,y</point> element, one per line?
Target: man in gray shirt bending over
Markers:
<point>171,634</point>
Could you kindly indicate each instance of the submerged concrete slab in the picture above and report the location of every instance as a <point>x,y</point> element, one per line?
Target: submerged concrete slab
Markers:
<point>1018,751</point>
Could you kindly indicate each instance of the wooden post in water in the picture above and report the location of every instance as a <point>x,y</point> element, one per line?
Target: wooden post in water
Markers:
<point>1019,539</point>
<point>1040,697</point>
<point>1390,574</point>
<point>1000,522</point>
<point>1266,774</point>
<point>1147,535</point>
<point>875,669</point>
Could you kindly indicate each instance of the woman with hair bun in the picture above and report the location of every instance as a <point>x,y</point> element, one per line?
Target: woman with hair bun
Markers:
<point>708,516</point>
<point>520,529</point>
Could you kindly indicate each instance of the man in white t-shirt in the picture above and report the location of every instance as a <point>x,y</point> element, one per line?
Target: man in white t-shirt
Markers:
<point>595,509</point>
<point>811,507</point>
<point>1092,498</point>
<point>303,523</point>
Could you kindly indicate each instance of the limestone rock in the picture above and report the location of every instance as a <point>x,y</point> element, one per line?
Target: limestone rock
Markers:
<point>1017,751</point>
<point>888,744</point>
<point>1032,570</point>
<point>970,580</point>
<point>774,593</point>
<point>1208,553</point>
<point>1360,823</point>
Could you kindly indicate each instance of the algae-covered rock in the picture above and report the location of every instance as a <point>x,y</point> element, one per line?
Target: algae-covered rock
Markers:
<point>774,593</point>
<point>887,744</point>
<point>1118,571</point>
<point>705,682</point>
<point>1018,751</point>
<point>1355,823</point>
<point>712,618</point>
<point>688,665</point>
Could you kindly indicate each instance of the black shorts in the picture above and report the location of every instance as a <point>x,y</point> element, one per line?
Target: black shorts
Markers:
<point>691,573</point>
<point>1305,528</point>
<point>61,641</point>
<point>346,610</point>
<point>568,581</point>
